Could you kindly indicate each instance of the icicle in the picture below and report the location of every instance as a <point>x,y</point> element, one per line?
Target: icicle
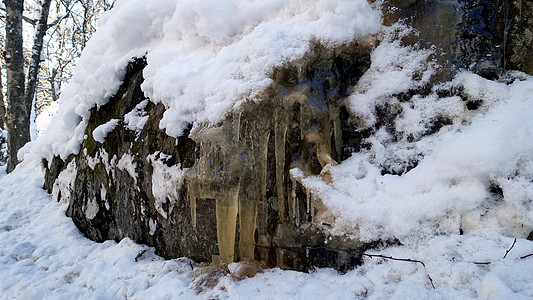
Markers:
<point>305,117</point>
<point>226,213</point>
<point>236,126</point>
<point>279,141</point>
<point>337,132</point>
<point>193,194</point>
<point>261,166</point>
<point>247,226</point>
<point>308,200</point>
<point>292,211</point>
<point>312,209</point>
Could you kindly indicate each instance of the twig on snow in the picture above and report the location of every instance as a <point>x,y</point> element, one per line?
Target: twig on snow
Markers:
<point>509,250</point>
<point>403,259</point>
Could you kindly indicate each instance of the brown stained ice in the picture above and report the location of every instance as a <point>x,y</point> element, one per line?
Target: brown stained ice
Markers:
<point>303,124</point>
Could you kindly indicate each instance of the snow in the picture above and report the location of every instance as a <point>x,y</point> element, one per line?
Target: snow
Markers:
<point>126,163</point>
<point>166,182</point>
<point>101,132</point>
<point>136,119</point>
<point>395,68</point>
<point>64,184</point>
<point>43,119</point>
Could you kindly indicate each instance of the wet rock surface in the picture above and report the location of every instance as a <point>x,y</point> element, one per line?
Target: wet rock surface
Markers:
<point>225,193</point>
<point>485,37</point>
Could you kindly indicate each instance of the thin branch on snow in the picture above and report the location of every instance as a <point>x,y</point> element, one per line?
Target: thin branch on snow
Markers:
<point>526,256</point>
<point>403,259</point>
<point>509,250</point>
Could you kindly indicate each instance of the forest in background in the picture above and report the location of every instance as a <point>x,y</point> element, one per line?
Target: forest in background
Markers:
<point>49,56</point>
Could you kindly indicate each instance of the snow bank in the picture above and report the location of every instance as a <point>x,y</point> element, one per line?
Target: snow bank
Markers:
<point>204,58</point>
<point>45,117</point>
<point>450,188</point>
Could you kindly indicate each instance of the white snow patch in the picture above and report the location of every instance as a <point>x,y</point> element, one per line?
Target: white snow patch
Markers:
<point>136,119</point>
<point>92,208</point>
<point>101,132</point>
<point>395,68</point>
<point>64,184</point>
<point>166,182</point>
<point>153,226</point>
<point>126,163</point>
<point>92,161</point>
<point>103,196</point>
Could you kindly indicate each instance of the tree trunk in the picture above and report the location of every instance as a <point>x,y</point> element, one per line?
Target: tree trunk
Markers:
<point>18,113</point>
<point>2,106</point>
<point>19,99</point>
<point>35,62</point>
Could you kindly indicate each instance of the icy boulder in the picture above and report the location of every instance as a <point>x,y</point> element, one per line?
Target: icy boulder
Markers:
<point>300,135</point>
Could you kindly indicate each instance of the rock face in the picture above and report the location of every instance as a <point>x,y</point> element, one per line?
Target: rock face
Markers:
<point>486,37</point>
<point>225,193</point>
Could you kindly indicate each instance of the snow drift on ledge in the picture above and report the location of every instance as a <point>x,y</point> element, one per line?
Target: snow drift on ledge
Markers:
<point>203,59</point>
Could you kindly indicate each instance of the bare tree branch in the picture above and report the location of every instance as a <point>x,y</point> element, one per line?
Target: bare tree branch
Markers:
<point>33,22</point>
<point>526,256</point>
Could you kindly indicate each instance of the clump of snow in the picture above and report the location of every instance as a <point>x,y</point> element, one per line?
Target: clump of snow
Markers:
<point>91,209</point>
<point>395,69</point>
<point>22,251</point>
<point>101,132</point>
<point>204,58</point>
<point>135,119</point>
<point>103,196</point>
<point>153,226</point>
<point>166,182</point>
